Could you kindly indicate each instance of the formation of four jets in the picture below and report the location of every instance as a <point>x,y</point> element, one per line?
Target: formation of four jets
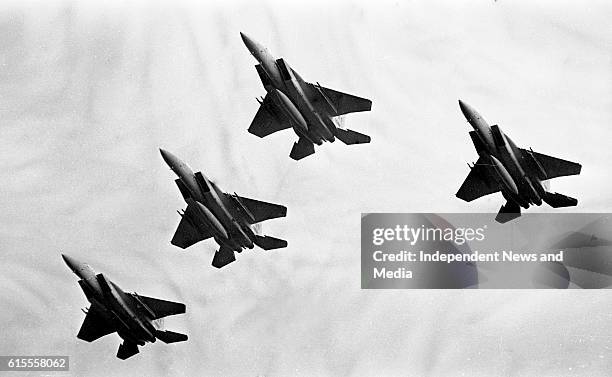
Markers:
<point>313,112</point>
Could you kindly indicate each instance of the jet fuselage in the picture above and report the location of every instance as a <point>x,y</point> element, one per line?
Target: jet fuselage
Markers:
<point>506,159</point>
<point>213,207</point>
<point>308,122</point>
<point>133,324</point>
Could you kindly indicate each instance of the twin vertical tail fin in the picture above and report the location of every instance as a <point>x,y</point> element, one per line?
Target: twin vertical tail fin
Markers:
<point>170,336</point>
<point>556,200</point>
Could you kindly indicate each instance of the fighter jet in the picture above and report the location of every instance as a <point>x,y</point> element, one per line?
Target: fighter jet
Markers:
<point>130,315</point>
<point>228,218</point>
<point>310,109</point>
<point>520,174</point>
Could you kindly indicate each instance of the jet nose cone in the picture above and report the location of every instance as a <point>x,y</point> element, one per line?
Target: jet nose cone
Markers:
<point>71,262</point>
<point>466,110</point>
<point>249,43</point>
<point>170,159</point>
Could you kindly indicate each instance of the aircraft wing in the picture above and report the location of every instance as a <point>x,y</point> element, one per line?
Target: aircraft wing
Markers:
<point>96,324</point>
<point>553,167</point>
<point>258,211</point>
<point>338,103</point>
<point>186,234</point>
<point>162,308</point>
<point>268,119</point>
<point>479,182</point>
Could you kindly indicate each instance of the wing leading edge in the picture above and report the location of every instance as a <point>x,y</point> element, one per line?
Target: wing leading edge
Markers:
<point>338,103</point>
<point>478,183</point>
<point>96,324</point>
<point>162,308</point>
<point>268,119</point>
<point>553,167</point>
<point>258,211</point>
<point>186,233</point>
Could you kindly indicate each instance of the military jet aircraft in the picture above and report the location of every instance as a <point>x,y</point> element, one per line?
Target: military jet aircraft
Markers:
<point>228,218</point>
<point>520,174</point>
<point>310,109</point>
<point>130,315</point>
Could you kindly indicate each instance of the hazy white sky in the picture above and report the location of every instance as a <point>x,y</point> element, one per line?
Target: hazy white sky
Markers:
<point>88,93</point>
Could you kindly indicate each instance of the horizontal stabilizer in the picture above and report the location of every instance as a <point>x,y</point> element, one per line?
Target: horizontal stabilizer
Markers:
<point>349,137</point>
<point>127,350</point>
<point>556,200</point>
<point>170,336</point>
<point>507,212</point>
<point>269,243</point>
<point>302,148</point>
<point>223,257</point>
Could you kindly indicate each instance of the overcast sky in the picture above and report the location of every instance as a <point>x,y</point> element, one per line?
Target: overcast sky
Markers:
<point>88,93</point>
